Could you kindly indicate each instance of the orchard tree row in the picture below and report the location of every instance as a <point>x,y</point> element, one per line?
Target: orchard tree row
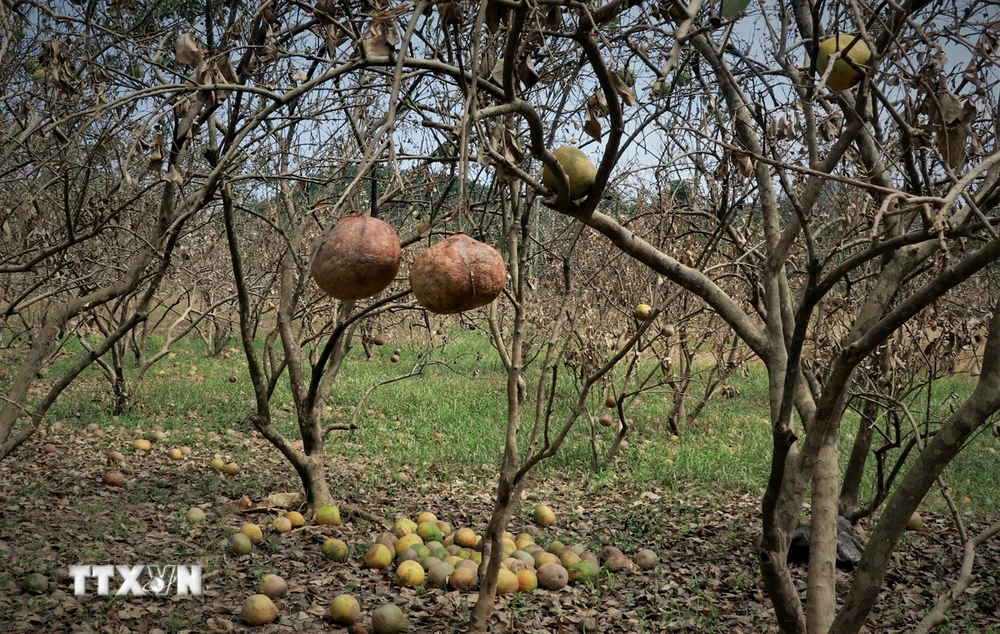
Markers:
<point>613,193</point>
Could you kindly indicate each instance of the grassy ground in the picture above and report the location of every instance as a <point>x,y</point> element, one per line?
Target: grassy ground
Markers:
<point>451,420</point>
<point>695,501</point>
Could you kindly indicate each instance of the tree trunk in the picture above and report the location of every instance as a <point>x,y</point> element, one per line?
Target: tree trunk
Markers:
<point>493,541</point>
<point>850,492</point>
<point>821,605</point>
<point>312,471</point>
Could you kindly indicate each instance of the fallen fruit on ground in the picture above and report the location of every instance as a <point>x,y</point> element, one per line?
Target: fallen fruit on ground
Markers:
<point>49,448</point>
<point>465,578</point>
<point>552,577</point>
<point>328,516</point>
<point>142,444</point>
<point>273,587</point>
<point>239,544</point>
<point>543,516</point>
<point>296,519</point>
<point>344,610</point>
<point>646,559</point>
<point>618,563</point>
<point>358,259</point>
<point>426,516</point>
<point>407,541</point>
<point>583,571</point>
<point>457,274</point>
<point>527,580</point>
<point>195,514</point>
<point>175,454</point>
<point>465,537</point>
<point>114,479</point>
<point>258,609</point>
<point>388,540</point>
<point>915,523</point>
<point>378,556</point>
<point>281,525</point>
<point>388,619</point>
<point>409,574</point>
<point>507,582</point>
<point>580,171</point>
<point>232,469</point>
<point>403,526</point>
<point>218,464</point>
<point>335,550</point>
<point>36,583</point>
<point>437,575</point>
<point>253,532</point>
<point>843,76</point>
<point>429,532</point>
<point>185,451</point>
<point>114,456</point>
<point>608,552</point>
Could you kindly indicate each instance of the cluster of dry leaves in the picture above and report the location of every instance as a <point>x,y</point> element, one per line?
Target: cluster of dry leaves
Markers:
<point>56,512</point>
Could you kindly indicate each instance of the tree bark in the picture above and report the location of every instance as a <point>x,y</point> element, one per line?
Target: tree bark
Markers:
<point>850,491</point>
<point>940,451</point>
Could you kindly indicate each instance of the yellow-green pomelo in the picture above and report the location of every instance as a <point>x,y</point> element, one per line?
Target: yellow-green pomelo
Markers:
<point>239,544</point>
<point>335,549</point>
<point>409,574</point>
<point>328,516</point>
<point>429,532</point>
<point>403,527</point>
<point>843,76</point>
<point>253,533</point>
<point>378,556</point>
<point>584,570</point>
<point>580,171</point>
<point>466,537</point>
<point>296,519</point>
<point>507,582</point>
<point>344,610</point>
<point>388,619</point>
<point>527,580</point>
<point>281,525</point>
<point>407,541</point>
<point>426,516</point>
<point>258,609</point>
<point>543,516</point>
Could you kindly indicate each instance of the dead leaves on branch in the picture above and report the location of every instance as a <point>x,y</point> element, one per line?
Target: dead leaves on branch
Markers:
<point>208,70</point>
<point>597,105</point>
<point>951,122</point>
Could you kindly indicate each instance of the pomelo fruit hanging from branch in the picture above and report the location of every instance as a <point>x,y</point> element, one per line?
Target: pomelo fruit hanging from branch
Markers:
<point>843,75</point>
<point>580,171</point>
<point>358,259</point>
<point>457,274</point>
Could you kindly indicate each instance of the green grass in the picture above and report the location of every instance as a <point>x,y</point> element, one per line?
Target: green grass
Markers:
<point>726,449</point>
